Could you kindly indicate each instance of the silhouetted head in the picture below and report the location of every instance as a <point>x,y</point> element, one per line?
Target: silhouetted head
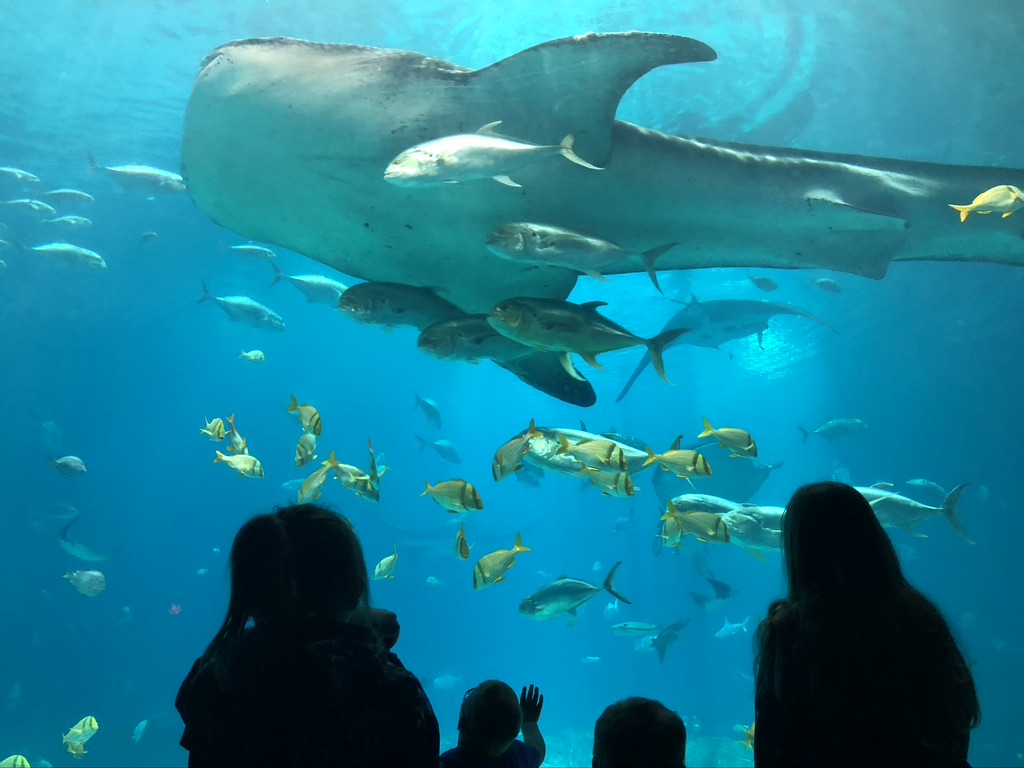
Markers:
<point>301,561</point>
<point>639,731</point>
<point>490,719</point>
<point>833,544</point>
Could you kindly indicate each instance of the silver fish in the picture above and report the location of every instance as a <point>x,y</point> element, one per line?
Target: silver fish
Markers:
<point>565,595</point>
<point>836,429</point>
<point>72,254</point>
<point>245,310</point>
<point>317,288</point>
<point>393,304</point>
<point>898,511</point>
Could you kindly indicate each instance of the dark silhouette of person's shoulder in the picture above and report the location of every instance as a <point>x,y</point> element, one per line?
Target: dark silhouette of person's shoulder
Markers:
<point>279,700</point>
<point>519,755</point>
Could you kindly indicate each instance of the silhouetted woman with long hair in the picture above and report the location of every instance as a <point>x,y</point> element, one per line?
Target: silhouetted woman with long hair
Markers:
<point>855,666</point>
<point>300,672</point>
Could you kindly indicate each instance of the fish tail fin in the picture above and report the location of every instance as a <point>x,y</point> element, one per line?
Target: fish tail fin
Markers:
<point>428,490</point>
<point>278,274</point>
<point>708,430</point>
<point>744,624</point>
<point>609,584</point>
<point>804,432</point>
<point>949,510</point>
<point>566,150</point>
<point>220,457</point>
<point>661,652</point>
<point>656,348</point>
<point>652,457</point>
<point>518,547</point>
<point>93,167</point>
<point>652,255</point>
<point>965,211</point>
<point>294,407</point>
<point>564,446</point>
<point>206,295</point>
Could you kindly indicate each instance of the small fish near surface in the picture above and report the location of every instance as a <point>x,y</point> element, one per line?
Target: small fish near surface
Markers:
<point>739,441</point>
<point>470,156</point>
<point>457,496</point>
<point>87,583</point>
<point>245,310</point>
<point>897,511</point>
<point>508,459</point>
<point>308,416</point>
<point>566,328</point>
<point>316,288</point>
<point>255,356</point>
<point>540,244</point>
<point>78,549</point>
<point>430,410</point>
<point>1004,199</point>
<point>385,569</point>
<point>69,466</point>
<point>491,569</point>
<point>728,629</point>
<point>243,464</point>
<point>214,429</point>
<point>73,255</point>
<point>835,429</point>
<point>395,305</point>
<point>565,595</point>
<point>444,448</point>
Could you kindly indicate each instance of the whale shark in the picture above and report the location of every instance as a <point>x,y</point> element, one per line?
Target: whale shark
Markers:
<point>286,142</point>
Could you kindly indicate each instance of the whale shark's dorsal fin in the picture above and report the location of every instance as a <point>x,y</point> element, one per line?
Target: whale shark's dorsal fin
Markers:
<point>574,85</point>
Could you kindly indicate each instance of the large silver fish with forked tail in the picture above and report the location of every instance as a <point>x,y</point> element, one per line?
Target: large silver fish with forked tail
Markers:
<point>565,595</point>
<point>898,511</point>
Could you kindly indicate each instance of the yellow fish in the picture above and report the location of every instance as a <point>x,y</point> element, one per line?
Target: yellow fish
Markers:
<point>77,750</point>
<point>671,533</point>
<point>236,443</point>
<point>707,527</point>
<point>305,451</point>
<point>683,463</point>
<point>309,416</point>
<point>15,761</point>
<point>363,484</point>
<point>738,441</point>
<point>462,547</point>
<point>1003,199</point>
<point>601,454</point>
<point>509,458</point>
<point>491,569</point>
<point>311,488</point>
<point>82,731</point>
<point>611,483</point>
<point>243,464</point>
<point>215,429</point>
<point>456,496</point>
<point>748,735</point>
<point>256,356</point>
<point>386,568</point>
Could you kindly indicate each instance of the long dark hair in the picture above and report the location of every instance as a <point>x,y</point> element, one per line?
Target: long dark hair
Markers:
<point>852,621</point>
<point>300,561</point>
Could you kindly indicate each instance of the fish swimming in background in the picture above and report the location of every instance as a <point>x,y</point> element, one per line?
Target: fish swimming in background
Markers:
<point>722,593</point>
<point>430,410</point>
<point>385,569</point>
<point>396,305</point>
<point>508,459</point>
<point>470,156</point>
<point>142,178</point>
<point>433,581</point>
<point>1004,199</point>
<point>73,255</point>
<point>77,549</point>
<point>253,252</point>
<point>36,206</point>
<point>635,629</point>
<point>667,637</point>
<point>491,569</point>
<point>728,630</point>
<point>243,464</point>
<point>445,449</point>
<point>87,583</point>
<point>929,486</point>
<point>140,729</point>
<point>565,595</point>
<point>70,221</point>
<point>236,443</point>
<point>305,451</point>
<point>66,194</point>
<point>541,244</point>
<point>457,496</point>
<point>835,429</point>
<point>18,174</point>
<point>214,429</point>
<point>308,416</point>
<point>739,441</point>
<point>611,610</point>
<point>462,547</point>
<point>552,325</point>
<point>828,285</point>
<point>245,310</point>
<point>69,466</point>
<point>763,283</point>
<point>256,356</point>
<point>148,237</point>
<point>316,288</point>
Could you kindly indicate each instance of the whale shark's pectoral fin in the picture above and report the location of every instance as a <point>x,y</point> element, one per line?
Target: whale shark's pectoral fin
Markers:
<point>856,240</point>
<point>574,85</point>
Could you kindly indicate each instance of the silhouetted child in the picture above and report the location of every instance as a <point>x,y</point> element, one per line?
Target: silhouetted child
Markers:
<point>639,731</point>
<point>490,719</point>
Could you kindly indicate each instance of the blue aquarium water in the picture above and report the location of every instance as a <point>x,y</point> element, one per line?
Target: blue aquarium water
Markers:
<point>121,366</point>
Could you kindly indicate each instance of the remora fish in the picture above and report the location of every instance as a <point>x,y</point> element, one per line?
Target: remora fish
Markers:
<point>77,549</point>
<point>317,288</point>
<point>898,511</point>
<point>394,304</point>
<point>245,310</point>
<point>565,595</point>
<point>560,326</point>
